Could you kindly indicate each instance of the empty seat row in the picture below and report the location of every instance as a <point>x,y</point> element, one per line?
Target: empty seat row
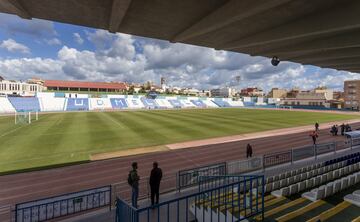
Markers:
<point>301,177</point>
<point>343,158</point>
<point>294,172</point>
<point>315,181</point>
<point>350,159</point>
<point>333,187</point>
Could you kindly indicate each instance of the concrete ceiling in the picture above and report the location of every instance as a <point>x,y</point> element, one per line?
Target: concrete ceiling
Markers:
<point>324,33</point>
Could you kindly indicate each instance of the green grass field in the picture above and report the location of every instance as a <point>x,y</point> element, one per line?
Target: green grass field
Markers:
<point>69,137</point>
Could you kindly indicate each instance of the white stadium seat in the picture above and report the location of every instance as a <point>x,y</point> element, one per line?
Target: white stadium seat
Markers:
<point>329,189</point>
<point>283,183</point>
<point>310,183</point>
<point>276,185</point>
<point>290,180</point>
<point>303,176</point>
<point>302,186</point>
<point>317,181</point>
<point>344,183</point>
<point>320,193</point>
<point>283,192</point>
<point>294,189</point>
<point>329,176</point>
<point>337,186</point>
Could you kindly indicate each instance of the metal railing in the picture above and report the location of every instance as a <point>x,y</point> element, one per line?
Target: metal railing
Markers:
<point>239,201</point>
<point>63,205</point>
<point>277,158</point>
<point>189,177</point>
<point>244,166</point>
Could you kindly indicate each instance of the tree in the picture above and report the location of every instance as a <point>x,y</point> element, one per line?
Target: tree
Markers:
<point>131,90</point>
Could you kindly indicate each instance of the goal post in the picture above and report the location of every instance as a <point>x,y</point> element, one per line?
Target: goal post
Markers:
<point>26,117</point>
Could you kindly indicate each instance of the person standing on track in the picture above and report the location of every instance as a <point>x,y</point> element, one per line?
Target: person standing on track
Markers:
<point>248,151</point>
<point>314,135</point>
<point>155,178</point>
<point>316,126</point>
<point>133,181</point>
<point>342,127</point>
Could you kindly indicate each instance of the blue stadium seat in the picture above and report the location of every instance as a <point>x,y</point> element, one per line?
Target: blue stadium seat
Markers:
<point>198,103</point>
<point>25,104</point>
<point>149,103</point>
<point>247,104</point>
<point>74,104</point>
<point>118,103</point>
<point>221,103</point>
<point>175,103</point>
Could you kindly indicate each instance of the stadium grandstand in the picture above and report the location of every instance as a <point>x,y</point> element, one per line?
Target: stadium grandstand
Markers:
<point>207,178</point>
<point>58,85</point>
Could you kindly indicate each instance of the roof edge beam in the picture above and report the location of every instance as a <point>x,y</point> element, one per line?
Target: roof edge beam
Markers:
<point>229,13</point>
<point>118,12</point>
<point>16,7</point>
<point>346,41</point>
<point>348,19</point>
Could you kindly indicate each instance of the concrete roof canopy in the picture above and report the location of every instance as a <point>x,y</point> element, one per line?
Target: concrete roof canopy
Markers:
<point>325,33</point>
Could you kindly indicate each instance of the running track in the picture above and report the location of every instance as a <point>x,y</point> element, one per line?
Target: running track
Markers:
<point>23,187</point>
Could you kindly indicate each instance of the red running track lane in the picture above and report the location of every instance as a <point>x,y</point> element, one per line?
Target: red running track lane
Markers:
<point>23,187</point>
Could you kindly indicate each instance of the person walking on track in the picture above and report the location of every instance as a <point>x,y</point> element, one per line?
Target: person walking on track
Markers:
<point>314,135</point>
<point>155,178</point>
<point>248,151</point>
<point>316,126</point>
<point>133,181</point>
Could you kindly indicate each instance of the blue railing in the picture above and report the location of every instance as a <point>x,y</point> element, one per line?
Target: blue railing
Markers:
<point>236,199</point>
<point>63,205</point>
<point>125,212</point>
<point>190,177</point>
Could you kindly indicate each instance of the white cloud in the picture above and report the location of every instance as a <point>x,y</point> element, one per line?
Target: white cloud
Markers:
<point>53,41</point>
<point>121,57</point>
<point>100,38</point>
<point>34,27</point>
<point>78,39</point>
<point>13,46</point>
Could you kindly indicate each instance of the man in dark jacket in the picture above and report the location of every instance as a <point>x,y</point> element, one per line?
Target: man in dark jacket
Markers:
<point>155,178</point>
<point>248,151</point>
<point>342,127</point>
<point>133,180</point>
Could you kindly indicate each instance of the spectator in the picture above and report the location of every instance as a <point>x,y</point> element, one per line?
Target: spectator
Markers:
<point>342,127</point>
<point>314,135</point>
<point>248,151</point>
<point>316,126</point>
<point>336,130</point>
<point>332,131</point>
<point>347,128</point>
<point>155,178</point>
<point>133,181</point>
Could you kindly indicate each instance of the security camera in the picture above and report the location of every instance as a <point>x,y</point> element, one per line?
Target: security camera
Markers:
<point>275,61</point>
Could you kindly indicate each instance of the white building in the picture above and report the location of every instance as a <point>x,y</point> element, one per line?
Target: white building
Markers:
<point>8,87</point>
<point>222,92</point>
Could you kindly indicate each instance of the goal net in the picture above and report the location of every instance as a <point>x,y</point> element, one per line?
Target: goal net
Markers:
<point>26,117</point>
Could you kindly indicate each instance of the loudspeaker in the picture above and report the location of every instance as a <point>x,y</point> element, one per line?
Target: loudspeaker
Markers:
<point>275,61</point>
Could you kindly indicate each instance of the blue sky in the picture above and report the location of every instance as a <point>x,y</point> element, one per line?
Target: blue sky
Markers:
<point>50,50</point>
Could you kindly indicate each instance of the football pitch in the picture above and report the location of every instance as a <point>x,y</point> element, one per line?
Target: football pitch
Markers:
<point>61,138</point>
